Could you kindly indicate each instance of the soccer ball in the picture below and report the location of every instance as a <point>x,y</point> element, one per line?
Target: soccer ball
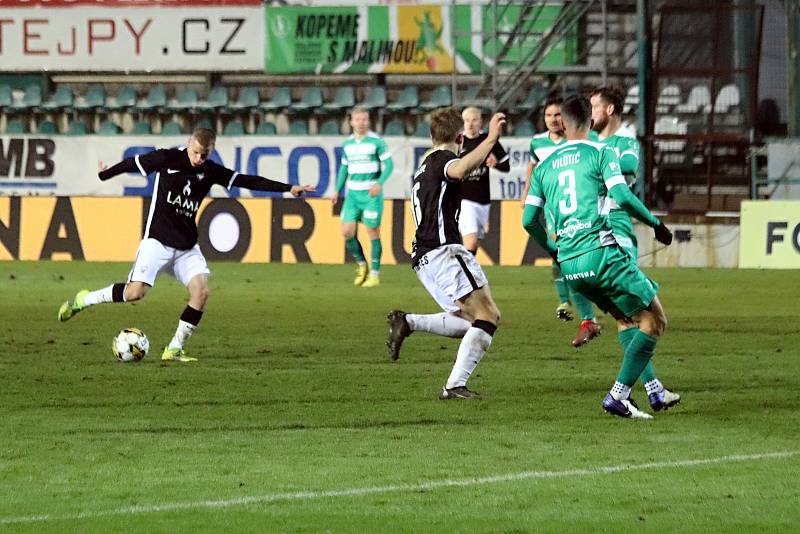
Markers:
<point>130,345</point>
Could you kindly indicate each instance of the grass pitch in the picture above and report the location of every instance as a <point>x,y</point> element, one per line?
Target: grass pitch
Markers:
<point>294,420</point>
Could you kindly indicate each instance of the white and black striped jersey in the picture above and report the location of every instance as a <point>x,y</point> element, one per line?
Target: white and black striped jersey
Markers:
<point>436,202</point>
<point>178,190</point>
<point>475,186</point>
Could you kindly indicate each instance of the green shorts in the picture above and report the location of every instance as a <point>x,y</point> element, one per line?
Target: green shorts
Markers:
<point>609,277</point>
<point>622,227</point>
<point>360,207</point>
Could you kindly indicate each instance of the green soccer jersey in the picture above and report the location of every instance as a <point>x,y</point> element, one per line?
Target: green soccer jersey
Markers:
<point>365,162</point>
<point>627,148</point>
<point>572,184</point>
<point>542,146</point>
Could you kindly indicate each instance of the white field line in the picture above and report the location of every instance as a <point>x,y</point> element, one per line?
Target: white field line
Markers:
<point>422,486</point>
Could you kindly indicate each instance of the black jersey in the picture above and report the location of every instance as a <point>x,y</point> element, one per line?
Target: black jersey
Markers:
<point>436,202</point>
<point>475,186</point>
<point>179,188</point>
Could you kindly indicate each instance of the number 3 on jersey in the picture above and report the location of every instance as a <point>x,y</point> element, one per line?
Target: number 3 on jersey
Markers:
<point>569,203</point>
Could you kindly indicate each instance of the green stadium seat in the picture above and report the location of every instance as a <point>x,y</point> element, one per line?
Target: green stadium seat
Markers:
<point>16,126</point>
<point>155,101</point>
<point>266,128</point>
<point>423,129</point>
<point>394,127</point>
<point>31,100</point>
<point>76,128</point>
<point>141,128</point>
<point>108,128</point>
<point>408,100</point>
<point>524,129</point>
<point>125,99</point>
<point>47,127</point>
<point>343,99</point>
<point>248,99</point>
<point>217,99</point>
<point>5,96</point>
<point>330,127</point>
<point>186,100</point>
<point>298,127</point>
<point>93,100</point>
<point>440,97</point>
<point>376,99</point>
<point>311,100</point>
<point>535,98</point>
<point>281,99</point>
<point>234,128</point>
<point>206,123</point>
<point>60,100</point>
<point>172,128</point>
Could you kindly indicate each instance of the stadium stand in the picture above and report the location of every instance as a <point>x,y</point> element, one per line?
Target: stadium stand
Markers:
<point>699,100</point>
<point>266,128</point>
<point>394,127</point>
<point>329,127</point>
<point>281,99</point>
<point>408,100</point>
<point>343,99</point>
<point>298,127</point>
<point>439,97</point>
<point>375,99</point>
<point>172,128</point>
<point>108,128</point>
<point>234,127</point>
<point>47,127</point>
<point>16,126</point>
<point>311,100</point>
<point>423,129</point>
<point>77,127</point>
<point>62,99</point>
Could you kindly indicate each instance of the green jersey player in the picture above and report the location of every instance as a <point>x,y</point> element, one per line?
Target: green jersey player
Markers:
<point>366,165</point>
<point>542,145</point>
<point>607,105</point>
<point>573,185</point>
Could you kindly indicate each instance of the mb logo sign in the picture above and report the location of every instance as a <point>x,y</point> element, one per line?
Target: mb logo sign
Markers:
<point>770,235</point>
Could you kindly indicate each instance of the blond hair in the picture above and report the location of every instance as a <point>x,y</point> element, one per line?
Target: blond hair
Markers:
<point>204,136</point>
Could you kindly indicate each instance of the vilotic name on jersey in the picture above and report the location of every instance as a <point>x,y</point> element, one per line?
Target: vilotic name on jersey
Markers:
<point>578,276</point>
<point>567,159</point>
<point>189,206</point>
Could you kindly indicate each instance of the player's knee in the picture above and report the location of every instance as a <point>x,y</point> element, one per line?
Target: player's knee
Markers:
<point>201,294</point>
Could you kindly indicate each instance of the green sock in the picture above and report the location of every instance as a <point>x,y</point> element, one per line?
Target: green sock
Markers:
<point>376,249</point>
<point>561,285</point>
<point>639,351</point>
<point>625,337</point>
<point>584,306</point>
<point>354,248</point>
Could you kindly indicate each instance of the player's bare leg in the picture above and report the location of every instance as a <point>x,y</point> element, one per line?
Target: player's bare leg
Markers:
<point>376,249</point>
<point>470,242</point>
<point>354,248</point>
<point>190,318</point>
<point>402,324</point>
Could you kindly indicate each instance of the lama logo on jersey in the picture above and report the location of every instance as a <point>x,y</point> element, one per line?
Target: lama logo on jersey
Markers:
<point>571,227</point>
<point>183,204</point>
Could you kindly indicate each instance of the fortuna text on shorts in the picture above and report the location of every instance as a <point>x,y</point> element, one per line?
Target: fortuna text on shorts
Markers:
<point>578,276</point>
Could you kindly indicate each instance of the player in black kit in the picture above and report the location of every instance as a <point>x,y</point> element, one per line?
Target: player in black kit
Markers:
<point>475,191</point>
<point>447,269</point>
<point>184,177</point>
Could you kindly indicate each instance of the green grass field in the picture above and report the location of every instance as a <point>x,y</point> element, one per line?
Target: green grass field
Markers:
<point>294,420</point>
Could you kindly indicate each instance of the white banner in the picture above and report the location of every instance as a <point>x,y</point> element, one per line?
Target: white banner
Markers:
<point>138,39</point>
<point>67,166</point>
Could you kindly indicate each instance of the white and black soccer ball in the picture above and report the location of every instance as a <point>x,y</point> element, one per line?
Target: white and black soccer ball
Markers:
<point>130,345</point>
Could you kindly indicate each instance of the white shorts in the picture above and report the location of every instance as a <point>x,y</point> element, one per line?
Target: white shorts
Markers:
<point>450,273</point>
<point>152,258</point>
<point>473,218</point>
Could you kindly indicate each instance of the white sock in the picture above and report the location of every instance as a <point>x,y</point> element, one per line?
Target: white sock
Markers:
<point>99,297</point>
<point>184,332</point>
<point>470,352</point>
<point>442,324</point>
<point>620,391</point>
<point>373,272</point>
<point>654,386</point>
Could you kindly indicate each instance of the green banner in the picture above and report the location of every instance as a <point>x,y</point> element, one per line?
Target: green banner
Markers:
<point>401,39</point>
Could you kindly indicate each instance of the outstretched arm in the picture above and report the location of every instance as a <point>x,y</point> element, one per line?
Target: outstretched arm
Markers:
<point>124,166</point>
<point>259,183</point>
<point>626,200</point>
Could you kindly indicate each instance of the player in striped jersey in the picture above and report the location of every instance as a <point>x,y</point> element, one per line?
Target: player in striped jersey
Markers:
<point>366,165</point>
<point>573,186</point>
<point>542,145</point>
<point>184,177</point>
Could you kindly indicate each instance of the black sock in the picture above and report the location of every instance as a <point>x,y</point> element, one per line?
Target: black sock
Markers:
<point>118,293</point>
<point>191,316</point>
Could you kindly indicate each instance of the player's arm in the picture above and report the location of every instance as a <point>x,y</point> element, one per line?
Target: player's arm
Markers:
<point>259,183</point>
<point>341,178</point>
<point>528,177</point>
<point>534,202</point>
<point>471,161</point>
<point>503,160</point>
<point>629,158</point>
<point>619,191</point>
<point>142,163</point>
<point>387,165</point>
